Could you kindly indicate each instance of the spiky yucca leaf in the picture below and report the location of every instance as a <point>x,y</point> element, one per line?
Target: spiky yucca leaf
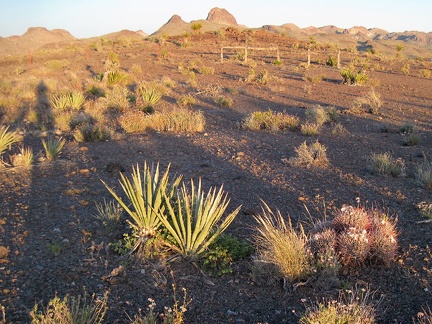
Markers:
<point>146,194</point>
<point>193,219</point>
<point>8,138</point>
<point>53,147</point>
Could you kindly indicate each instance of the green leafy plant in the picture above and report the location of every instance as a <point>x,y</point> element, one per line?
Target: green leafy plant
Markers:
<point>147,194</point>
<point>225,250</point>
<point>53,147</point>
<point>280,244</point>
<point>115,77</point>
<point>192,219</point>
<point>196,27</point>
<point>7,138</point>
<point>71,310</point>
<point>331,61</point>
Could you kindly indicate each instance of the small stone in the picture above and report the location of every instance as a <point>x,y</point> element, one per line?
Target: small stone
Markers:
<point>4,252</point>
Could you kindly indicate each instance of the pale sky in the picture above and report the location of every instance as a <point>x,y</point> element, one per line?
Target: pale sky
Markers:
<point>88,18</point>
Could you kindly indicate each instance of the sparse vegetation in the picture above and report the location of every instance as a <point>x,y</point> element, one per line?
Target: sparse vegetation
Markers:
<point>383,163</point>
<point>423,173</point>
<point>8,138</point>
<point>269,120</point>
<point>53,147</point>
<point>313,155</point>
<point>353,76</point>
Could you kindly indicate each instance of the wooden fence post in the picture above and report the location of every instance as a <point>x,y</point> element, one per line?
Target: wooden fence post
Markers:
<point>221,54</point>
<point>338,62</point>
<point>277,54</point>
<point>308,62</point>
<point>246,54</point>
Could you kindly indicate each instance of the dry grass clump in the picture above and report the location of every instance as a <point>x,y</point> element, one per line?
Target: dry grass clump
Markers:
<point>425,316</point>
<point>310,129</point>
<point>317,115</point>
<point>310,156</point>
<point>423,173</point>
<point>116,99</point>
<point>186,101</point>
<point>71,310</point>
<point>269,120</point>
<point>280,244</point>
<point>178,120</point>
<point>371,102</point>
<point>354,308</point>
<point>24,158</point>
<point>383,163</point>
<point>92,133</point>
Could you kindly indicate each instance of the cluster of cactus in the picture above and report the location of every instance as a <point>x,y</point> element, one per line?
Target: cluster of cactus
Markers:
<point>356,236</point>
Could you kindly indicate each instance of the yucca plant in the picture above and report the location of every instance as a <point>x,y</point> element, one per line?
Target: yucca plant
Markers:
<point>76,100</point>
<point>53,147</point>
<point>150,97</point>
<point>24,158</point>
<point>7,139</point>
<point>60,101</point>
<point>147,194</point>
<point>115,77</point>
<point>192,219</point>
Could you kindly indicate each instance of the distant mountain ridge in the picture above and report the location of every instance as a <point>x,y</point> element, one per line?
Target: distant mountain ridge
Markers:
<point>219,18</point>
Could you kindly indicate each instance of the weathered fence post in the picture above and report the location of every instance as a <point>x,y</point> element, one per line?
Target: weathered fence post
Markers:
<point>246,53</point>
<point>277,54</point>
<point>308,62</point>
<point>221,54</point>
<point>338,58</point>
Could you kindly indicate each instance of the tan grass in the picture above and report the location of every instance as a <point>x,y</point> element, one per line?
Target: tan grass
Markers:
<point>280,244</point>
<point>310,155</point>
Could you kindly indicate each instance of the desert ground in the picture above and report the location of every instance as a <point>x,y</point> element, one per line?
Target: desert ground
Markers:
<point>52,244</point>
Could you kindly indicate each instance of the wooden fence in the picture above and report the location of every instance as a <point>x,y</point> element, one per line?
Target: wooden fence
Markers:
<point>247,48</point>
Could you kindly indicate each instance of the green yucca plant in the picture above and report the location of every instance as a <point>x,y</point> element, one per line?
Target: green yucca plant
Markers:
<point>192,219</point>
<point>8,138</point>
<point>53,147</point>
<point>76,100</point>
<point>60,101</point>
<point>150,97</point>
<point>24,158</point>
<point>147,195</point>
<point>114,77</point>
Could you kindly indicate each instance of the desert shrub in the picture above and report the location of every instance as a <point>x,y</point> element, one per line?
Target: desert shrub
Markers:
<point>278,243</point>
<point>269,120</point>
<point>224,101</point>
<point>80,119</point>
<point>314,78</point>
<point>146,194</point>
<point>207,70</point>
<point>425,73</point>
<point>116,98</point>
<point>53,147</point>
<point>178,120</point>
<point>8,138</point>
<point>24,158</point>
<point>331,61</point>
<point>57,64</point>
<point>194,219</point>
<point>411,139</point>
<point>96,91</point>
<point>352,76</point>
<point>262,77</point>
<point>171,315</point>
<point>423,173</point>
<point>196,27</point>
<point>112,62</point>
<point>92,133</point>
<point>406,69</point>
<point>383,163</point>
<point>326,260</point>
<point>370,102</point>
<point>310,156</point>
<point>71,310</point>
<point>60,102</point>
<point>317,115</point>
<point>356,308</point>
<point>339,129</point>
<point>186,101</point>
<point>225,250</point>
<point>310,129</point>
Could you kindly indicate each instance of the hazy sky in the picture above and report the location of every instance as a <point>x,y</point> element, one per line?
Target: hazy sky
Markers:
<point>87,18</point>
